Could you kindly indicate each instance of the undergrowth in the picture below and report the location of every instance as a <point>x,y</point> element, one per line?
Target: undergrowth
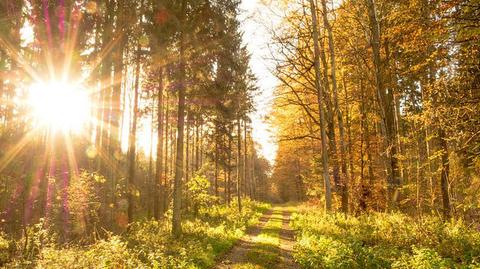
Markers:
<point>381,240</point>
<point>146,244</point>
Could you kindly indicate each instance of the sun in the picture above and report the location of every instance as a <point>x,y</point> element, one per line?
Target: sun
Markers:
<point>59,106</point>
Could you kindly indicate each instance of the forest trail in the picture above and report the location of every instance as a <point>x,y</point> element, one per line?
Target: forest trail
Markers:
<point>269,244</point>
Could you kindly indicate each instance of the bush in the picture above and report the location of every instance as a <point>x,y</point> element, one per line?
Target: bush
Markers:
<point>424,258</point>
<point>146,244</point>
<point>111,253</point>
<point>381,240</point>
<point>4,249</point>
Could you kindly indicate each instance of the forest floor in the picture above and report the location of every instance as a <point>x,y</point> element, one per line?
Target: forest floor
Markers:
<point>269,244</point>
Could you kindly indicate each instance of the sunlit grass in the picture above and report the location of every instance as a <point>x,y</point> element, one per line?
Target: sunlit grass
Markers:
<point>147,244</point>
<point>383,240</point>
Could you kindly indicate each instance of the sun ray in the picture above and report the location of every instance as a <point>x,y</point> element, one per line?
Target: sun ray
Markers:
<point>59,105</point>
<point>37,175</point>
<point>16,56</point>
<point>72,161</point>
<point>15,150</point>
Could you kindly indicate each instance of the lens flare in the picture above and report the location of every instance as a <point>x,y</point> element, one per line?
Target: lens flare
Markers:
<point>59,105</point>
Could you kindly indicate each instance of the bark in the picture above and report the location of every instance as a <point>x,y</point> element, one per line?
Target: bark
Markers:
<point>444,184</point>
<point>187,150</point>
<point>363,190</point>
<point>239,157</point>
<point>245,160</point>
<point>197,148</point>
<point>254,182</point>
<point>159,185</point>
<point>106,77</point>
<point>344,179</point>
<point>116,112</point>
<point>229,168</point>
<point>168,141</point>
<point>132,141</point>
<point>201,144</point>
<point>349,130</point>
<point>385,101</point>
<point>332,140</point>
<point>216,161</point>
<point>151,182</point>
<point>177,187</point>
<point>320,97</point>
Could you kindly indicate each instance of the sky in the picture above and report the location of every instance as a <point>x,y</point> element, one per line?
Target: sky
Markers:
<point>256,38</point>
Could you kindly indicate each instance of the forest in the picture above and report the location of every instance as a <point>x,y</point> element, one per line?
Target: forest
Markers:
<point>129,134</point>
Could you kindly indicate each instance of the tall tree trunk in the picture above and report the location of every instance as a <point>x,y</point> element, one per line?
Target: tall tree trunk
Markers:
<point>338,112</point>
<point>245,160</point>
<point>349,130</point>
<point>106,78</point>
<point>151,182</point>
<point>320,97</point>
<point>444,185</point>
<point>364,136</point>
<point>201,144</point>
<point>330,121</point>
<point>385,101</point>
<point>132,141</point>
<point>216,161</point>
<point>197,147</point>
<point>229,168</point>
<point>239,160</point>
<point>187,149</point>
<point>116,112</point>
<point>253,179</point>
<point>159,184</point>
<point>168,141</point>
<point>177,187</point>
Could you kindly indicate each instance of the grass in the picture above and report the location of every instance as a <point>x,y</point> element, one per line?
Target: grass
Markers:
<point>381,240</point>
<point>147,244</point>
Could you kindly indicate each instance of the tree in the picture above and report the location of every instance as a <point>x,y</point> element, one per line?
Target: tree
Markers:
<point>320,97</point>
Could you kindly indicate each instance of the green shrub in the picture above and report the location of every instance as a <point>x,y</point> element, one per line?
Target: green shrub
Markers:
<point>424,258</point>
<point>111,253</point>
<point>381,240</point>
<point>146,244</point>
<point>4,249</point>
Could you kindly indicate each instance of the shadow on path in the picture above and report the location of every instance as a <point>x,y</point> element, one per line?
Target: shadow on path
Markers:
<point>287,240</point>
<point>251,253</point>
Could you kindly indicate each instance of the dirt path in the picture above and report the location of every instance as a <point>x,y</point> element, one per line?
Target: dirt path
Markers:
<point>269,244</point>
<point>287,240</point>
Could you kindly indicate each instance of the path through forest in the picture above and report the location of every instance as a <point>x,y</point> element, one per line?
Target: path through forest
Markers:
<point>269,244</point>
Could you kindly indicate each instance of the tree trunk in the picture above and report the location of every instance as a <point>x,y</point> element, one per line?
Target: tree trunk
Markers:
<point>245,161</point>
<point>216,161</point>
<point>445,186</point>
<point>132,141</point>
<point>229,168</point>
<point>168,141</point>
<point>385,101</point>
<point>151,182</point>
<point>254,182</point>
<point>159,185</point>
<point>187,150</point>
<point>239,160</point>
<point>197,140</point>
<point>177,187</point>
<point>331,136</point>
<point>344,179</point>
<point>349,132</point>
<point>320,97</point>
